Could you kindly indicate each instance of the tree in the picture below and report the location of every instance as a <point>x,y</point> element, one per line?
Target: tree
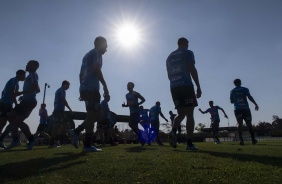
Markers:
<point>199,127</point>
<point>263,128</point>
<point>277,123</point>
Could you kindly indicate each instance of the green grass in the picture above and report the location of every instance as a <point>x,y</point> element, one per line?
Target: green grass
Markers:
<point>224,163</point>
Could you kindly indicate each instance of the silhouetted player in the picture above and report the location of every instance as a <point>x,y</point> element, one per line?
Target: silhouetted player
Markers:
<point>238,97</point>
<point>213,110</point>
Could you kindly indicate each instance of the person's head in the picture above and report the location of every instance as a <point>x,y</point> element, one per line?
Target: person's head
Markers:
<point>237,82</point>
<point>101,44</point>
<point>43,106</point>
<point>65,85</point>
<point>107,97</point>
<point>130,86</point>
<point>20,75</point>
<point>170,112</point>
<point>211,103</point>
<point>183,43</point>
<point>158,103</point>
<point>141,107</point>
<point>32,66</point>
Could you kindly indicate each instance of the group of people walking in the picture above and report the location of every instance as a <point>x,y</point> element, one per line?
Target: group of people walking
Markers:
<point>181,71</point>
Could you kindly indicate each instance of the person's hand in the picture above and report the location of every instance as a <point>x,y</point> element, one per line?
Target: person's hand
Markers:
<point>106,91</point>
<point>256,108</point>
<point>199,93</point>
<point>199,109</point>
<point>226,116</point>
<point>123,105</point>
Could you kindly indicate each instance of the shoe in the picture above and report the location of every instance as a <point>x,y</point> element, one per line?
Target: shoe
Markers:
<point>254,141</point>
<point>191,147</point>
<point>2,145</point>
<point>14,144</point>
<point>55,145</point>
<point>172,139</point>
<point>31,144</point>
<point>217,142</point>
<point>91,149</point>
<point>242,143</point>
<point>74,138</point>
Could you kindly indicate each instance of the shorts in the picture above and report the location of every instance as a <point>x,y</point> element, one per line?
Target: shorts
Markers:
<point>60,117</point>
<point>215,125</point>
<point>155,124</point>
<point>4,109</point>
<point>92,99</point>
<point>24,108</point>
<point>184,97</point>
<point>244,114</point>
<point>134,118</point>
<point>41,127</point>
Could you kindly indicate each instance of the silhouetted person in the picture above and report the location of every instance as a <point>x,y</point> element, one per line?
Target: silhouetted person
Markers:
<point>180,67</point>
<point>238,97</point>
<point>90,76</point>
<point>132,98</point>
<point>213,110</point>
<point>8,98</point>
<point>41,129</point>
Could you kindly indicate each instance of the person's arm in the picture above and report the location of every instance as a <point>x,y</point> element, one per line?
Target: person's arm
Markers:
<point>201,111</point>
<point>231,98</point>
<point>194,73</point>
<point>67,105</point>
<point>99,74</point>
<point>254,102</point>
<point>141,98</point>
<point>225,115</point>
<point>161,114</point>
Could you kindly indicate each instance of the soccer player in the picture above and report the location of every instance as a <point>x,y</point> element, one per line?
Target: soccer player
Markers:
<point>8,98</point>
<point>90,76</point>
<point>238,96</point>
<point>22,110</point>
<point>132,98</point>
<point>155,111</point>
<point>213,110</point>
<point>180,67</point>
<point>41,129</point>
<point>60,118</point>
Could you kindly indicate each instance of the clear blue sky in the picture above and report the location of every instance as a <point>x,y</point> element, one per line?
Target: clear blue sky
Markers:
<point>230,39</point>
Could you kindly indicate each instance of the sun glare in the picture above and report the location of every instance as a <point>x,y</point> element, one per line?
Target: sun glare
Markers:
<point>128,35</point>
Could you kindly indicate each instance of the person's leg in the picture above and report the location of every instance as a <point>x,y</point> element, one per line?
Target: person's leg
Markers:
<point>3,122</point>
<point>91,117</point>
<point>190,124</point>
<point>248,120</point>
<point>176,123</point>
<point>133,122</point>
<point>239,118</point>
<point>54,134</point>
<point>7,130</point>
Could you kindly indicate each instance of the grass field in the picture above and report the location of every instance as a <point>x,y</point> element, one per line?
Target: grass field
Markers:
<point>224,163</point>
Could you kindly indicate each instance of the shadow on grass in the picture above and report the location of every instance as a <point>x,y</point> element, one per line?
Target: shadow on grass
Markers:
<point>38,166</point>
<point>266,160</point>
<point>138,149</point>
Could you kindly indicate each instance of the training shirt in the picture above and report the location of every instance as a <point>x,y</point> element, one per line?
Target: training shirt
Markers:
<point>144,115</point>
<point>90,81</point>
<point>239,96</point>
<point>43,116</point>
<point>11,86</point>
<point>59,102</point>
<point>154,113</point>
<point>132,101</point>
<point>177,67</point>
<point>29,83</point>
<point>105,108</point>
<point>213,112</point>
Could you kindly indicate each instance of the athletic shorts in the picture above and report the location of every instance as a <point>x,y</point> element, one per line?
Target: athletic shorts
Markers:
<point>184,97</point>
<point>134,117</point>
<point>244,114</point>
<point>24,108</point>
<point>41,127</point>
<point>92,100</point>
<point>60,116</point>
<point>155,124</point>
<point>4,109</point>
<point>215,125</point>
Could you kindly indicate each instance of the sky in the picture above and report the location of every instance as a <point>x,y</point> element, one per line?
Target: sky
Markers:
<point>230,39</point>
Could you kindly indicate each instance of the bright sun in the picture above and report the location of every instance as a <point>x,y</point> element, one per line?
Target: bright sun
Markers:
<point>128,35</point>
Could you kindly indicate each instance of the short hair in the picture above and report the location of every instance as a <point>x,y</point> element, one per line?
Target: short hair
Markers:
<point>99,40</point>
<point>20,72</point>
<point>211,101</point>
<point>158,103</point>
<point>237,81</point>
<point>34,62</point>
<point>131,83</point>
<point>141,106</point>
<point>65,82</point>
<point>182,41</point>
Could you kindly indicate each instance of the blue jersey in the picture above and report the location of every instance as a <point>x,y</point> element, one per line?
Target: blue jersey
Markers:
<point>29,83</point>
<point>60,96</point>
<point>239,97</point>
<point>90,81</point>
<point>11,86</point>
<point>177,68</point>
<point>213,112</point>
<point>132,101</point>
<point>106,110</point>
<point>144,115</point>
<point>154,113</point>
